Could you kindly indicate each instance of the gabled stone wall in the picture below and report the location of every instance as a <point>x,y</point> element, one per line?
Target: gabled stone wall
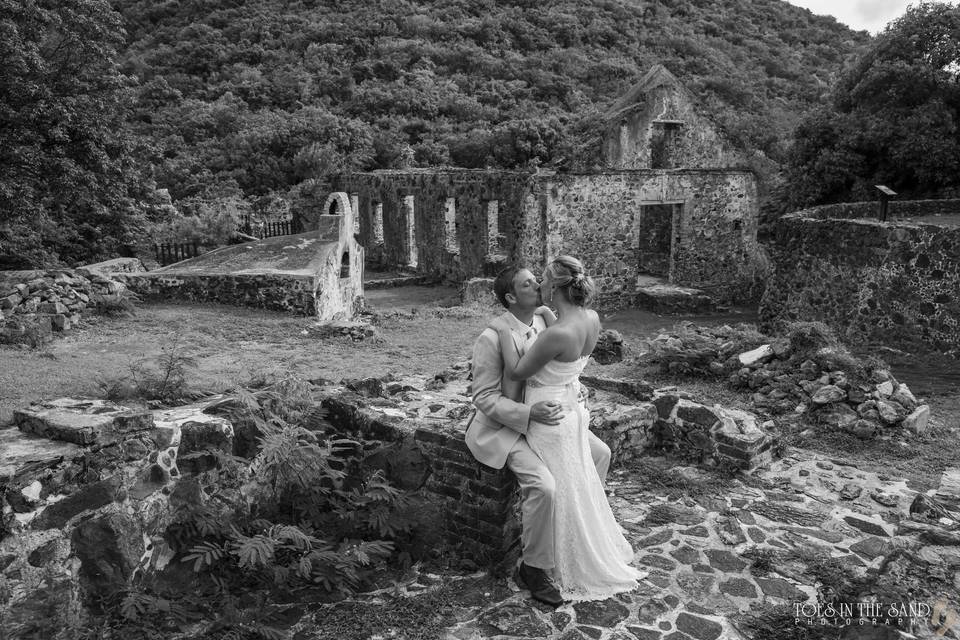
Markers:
<point>894,283</point>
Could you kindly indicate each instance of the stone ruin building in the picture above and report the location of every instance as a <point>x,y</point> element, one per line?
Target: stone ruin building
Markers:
<point>318,273</point>
<point>671,206</point>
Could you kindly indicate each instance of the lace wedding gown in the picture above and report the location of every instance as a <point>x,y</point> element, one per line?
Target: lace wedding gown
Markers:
<point>591,554</point>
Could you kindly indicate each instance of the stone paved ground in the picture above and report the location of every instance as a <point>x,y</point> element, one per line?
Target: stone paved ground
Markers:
<point>700,554</point>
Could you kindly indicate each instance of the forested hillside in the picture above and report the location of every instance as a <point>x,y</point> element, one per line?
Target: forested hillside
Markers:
<point>262,95</point>
<point>120,115</point>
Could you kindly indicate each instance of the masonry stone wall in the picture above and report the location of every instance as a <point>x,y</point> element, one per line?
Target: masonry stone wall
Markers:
<point>894,283</point>
<point>278,292</point>
<point>599,218</point>
<point>456,251</point>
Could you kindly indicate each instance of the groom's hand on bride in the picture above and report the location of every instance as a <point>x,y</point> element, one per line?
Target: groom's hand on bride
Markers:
<point>546,412</point>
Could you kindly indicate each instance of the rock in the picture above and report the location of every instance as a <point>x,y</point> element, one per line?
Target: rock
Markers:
<point>659,562</point>
<point>697,627</point>
<point>837,416</point>
<point>82,421</point>
<point>87,498</point>
<point>740,587</point>
<point>904,397</point>
<point>890,412</point>
<point>918,420</point>
<point>755,356</point>
<point>197,441</point>
<point>884,498</point>
<point>868,526</point>
<point>828,394</point>
<point>366,387</point>
<point>724,560</point>
<point>872,547</point>
<point>863,429</point>
<point>779,588</point>
<point>644,634</point>
<point>695,586</point>
<point>728,528</point>
<point>686,555</point>
<point>673,513</point>
<point>695,413</point>
<point>609,347</point>
<point>514,619</point>
<point>109,548</point>
<point>885,389</point>
<point>604,613</point>
<point>664,535</point>
<point>851,491</point>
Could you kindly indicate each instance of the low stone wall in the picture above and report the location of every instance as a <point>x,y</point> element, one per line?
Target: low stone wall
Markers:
<point>894,283</point>
<point>35,304</point>
<point>475,506</point>
<point>86,489</point>
<point>895,209</point>
<point>278,292</point>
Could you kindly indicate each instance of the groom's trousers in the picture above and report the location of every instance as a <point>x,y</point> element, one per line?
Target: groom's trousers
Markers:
<point>537,490</point>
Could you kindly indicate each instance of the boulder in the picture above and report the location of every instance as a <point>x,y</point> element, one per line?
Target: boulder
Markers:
<point>756,356</point>
<point>828,394</point>
<point>609,348</point>
<point>918,420</point>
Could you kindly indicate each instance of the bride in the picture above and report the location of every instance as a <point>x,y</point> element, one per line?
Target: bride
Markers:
<point>592,555</point>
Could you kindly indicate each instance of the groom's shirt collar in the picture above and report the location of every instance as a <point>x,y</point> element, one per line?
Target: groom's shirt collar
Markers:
<point>521,328</point>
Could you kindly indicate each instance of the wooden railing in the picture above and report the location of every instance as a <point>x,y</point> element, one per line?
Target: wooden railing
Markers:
<point>269,229</point>
<point>170,252</point>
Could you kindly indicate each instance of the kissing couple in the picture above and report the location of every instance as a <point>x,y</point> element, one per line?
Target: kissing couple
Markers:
<point>531,418</point>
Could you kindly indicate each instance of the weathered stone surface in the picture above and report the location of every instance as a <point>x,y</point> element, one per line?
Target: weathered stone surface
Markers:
<point>654,539</point>
<point>686,555</point>
<point>21,453</point>
<point>696,586</point>
<point>651,610</point>
<point>515,620</point>
<point>88,497</point>
<point>729,530</point>
<point>740,587</point>
<point>851,491</point>
<point>604,613</point>
<point>697,532</point>
<point>918,420</point>
<point>866,525</point>
<point>724,560</point>
<point>779,588</point>
<point>674,513</point>
<point>872,547</point>
<point>658,561</point>
<point>695,413</point>
<point>761,353</point>
<point>609,348</point>
<point>698,627</point>
<point>81,421</point>
<point>828,394</point>
<point>198,438</point>
<point>644,634</point>
<point>109,548</point>
<point>785,513</point>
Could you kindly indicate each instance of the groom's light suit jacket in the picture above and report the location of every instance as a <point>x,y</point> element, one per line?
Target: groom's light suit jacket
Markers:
<point>499,420</point>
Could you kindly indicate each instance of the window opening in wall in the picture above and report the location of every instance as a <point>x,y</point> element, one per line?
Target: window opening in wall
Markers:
<point>493,226</point>
<point>408,206</point>
<point>378,222</point>
<point>355,208</point>
<point>345,264</point>
<point>655,228</point>
<point>332,210</point>
<point>663,142</point>
<point>450,225</point>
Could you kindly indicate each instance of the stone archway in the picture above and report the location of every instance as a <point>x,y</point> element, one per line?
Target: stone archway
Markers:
<point>337,204</point>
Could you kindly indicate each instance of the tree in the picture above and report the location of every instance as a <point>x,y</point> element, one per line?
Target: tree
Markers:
<point>894,117</point>
<point>68,185</point>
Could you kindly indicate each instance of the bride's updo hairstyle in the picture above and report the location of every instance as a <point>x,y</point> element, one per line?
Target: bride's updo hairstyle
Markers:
<point>567,274</point>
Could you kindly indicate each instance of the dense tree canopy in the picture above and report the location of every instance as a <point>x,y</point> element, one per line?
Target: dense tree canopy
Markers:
<point>894,118</point>
<point>68,187</point>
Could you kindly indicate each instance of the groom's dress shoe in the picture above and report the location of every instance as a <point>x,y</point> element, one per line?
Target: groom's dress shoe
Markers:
<point>539,584</point>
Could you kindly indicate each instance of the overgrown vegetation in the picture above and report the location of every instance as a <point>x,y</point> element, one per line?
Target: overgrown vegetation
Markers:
<point>162,381</point>
<point>304,516</point>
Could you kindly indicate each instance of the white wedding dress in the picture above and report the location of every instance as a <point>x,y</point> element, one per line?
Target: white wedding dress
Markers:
<point>591,554</point>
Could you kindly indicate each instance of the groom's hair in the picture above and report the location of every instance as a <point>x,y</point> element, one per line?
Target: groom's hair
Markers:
<point>504,283</point>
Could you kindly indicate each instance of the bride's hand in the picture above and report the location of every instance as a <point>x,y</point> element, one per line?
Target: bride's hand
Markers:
<point>500,326</point>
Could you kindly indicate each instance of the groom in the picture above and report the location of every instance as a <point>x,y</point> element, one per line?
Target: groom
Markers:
<point>496,432</point>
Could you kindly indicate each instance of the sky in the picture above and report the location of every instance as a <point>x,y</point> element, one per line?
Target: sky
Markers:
<point>868,15</point>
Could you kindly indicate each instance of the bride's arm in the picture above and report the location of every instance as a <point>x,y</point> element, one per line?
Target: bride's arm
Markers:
<point>544,349</point>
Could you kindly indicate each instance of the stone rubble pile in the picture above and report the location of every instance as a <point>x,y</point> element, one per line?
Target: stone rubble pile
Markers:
<point>48,301</point>
<point>864,404</point>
